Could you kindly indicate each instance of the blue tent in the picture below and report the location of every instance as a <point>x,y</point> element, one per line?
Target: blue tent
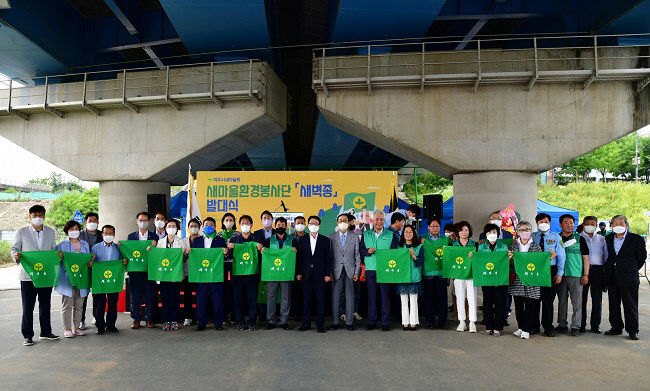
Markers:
<point>542,207</point>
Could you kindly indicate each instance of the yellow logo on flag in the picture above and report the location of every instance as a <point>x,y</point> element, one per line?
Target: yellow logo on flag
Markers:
<point>459,260</point>
<point>74,268</point>
<point>246,256</point>
<point>359,202</point>
<point>277,262</point>
<point>165,262</point>
<point>136,254</point>
<point>108,274</point>
<point>439,252</point>
<point>205,263</point>
<point>489,266</point>
<point>38,266</point>
<point>392,264</point>
<point>530,267</point>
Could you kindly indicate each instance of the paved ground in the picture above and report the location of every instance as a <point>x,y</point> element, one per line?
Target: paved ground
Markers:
<point>289,360</point>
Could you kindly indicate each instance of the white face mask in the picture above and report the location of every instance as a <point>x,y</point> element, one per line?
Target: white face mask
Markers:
<point>496,222</point>
<point>447,234</point>
<point>245,228</point>
<point>160,224</point>
<point>491,237</point>
<point>619,229</point>
<point>228,224</point>
<point>267,222</point>
<point>73,234</point>
<point>343,226</point>
<point>300,227</point>
<point>171,231</point>
<point>37,221</point>
<point>91,226</point>
<point>108,238</point>
<point>143,224</point>
<point>313,228</point>
<point>543,227</point>
<point>194,230</point>
<point>590,229</point>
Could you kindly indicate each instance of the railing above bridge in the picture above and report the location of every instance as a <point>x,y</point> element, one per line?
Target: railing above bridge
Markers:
<point>132,88</point>
<point>519,60</point>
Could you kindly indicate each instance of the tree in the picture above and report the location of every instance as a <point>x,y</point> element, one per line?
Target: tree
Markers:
<point>427,183</point>
<point>56,182</point>
<point>64,207</point>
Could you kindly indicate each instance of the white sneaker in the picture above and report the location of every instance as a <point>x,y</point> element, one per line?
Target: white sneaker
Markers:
<point>187,322</point>
<point>525,335</point>
<point>518,332</point>
<point>94,321</point>
<point>461,326</point>
<point>82,326</point>
<point>472,327</point>
<point>357,316</point>
<point>343,317</point>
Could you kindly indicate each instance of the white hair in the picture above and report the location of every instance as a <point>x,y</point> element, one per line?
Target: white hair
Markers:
<point>378,212</point>
<point>620,217</point>
<point>524,224</point>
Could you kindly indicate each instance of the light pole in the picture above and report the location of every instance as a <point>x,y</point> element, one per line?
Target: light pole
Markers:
<point>636,157</point>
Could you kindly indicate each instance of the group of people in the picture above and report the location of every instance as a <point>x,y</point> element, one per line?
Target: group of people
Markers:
<point>581,263</point>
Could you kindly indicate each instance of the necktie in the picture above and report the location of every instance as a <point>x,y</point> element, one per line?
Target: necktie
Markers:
<point>343,240</point>
<point>541,241</point>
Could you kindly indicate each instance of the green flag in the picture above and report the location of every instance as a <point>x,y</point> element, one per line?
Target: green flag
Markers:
<point>245,259</point>
<point>433,254</point>
<point>393,266</point>
<point>43,267</point>
<point>359,201</point>
<point>262,293</point>
<point>455,262</point>
<point>165,264</point>
<point>491,268</point>
<point>76,267</point>
<point>205,265</point>
<point>533,269</point>
<point>507,242</point>
<point>278,264</point>
<point>136,252</point>
<point>108,277</point>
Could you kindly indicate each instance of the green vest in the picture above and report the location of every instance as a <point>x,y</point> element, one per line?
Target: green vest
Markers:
<point>485,247</point>
<point>416,271</point>
<point>275,244</point>
<point>470,242</point>
<point>381,243</point>
<point>573,263</point>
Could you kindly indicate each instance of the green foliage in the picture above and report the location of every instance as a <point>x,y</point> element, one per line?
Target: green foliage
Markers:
<point>603,200</point>
<point>5,256</point>
<point>64,207</point>
<point>57,183</point>
<point>428,183</point>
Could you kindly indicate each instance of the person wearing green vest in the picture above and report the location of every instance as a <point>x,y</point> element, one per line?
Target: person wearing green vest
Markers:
<point>245,286</point>
<point>228,233</point>
<point>434,286</point>
<point>465,288</point>
<point>576,274</point>
<point>408,293</point>
<point>493,302</point>
<point>277,241</point>
<point>372,240</point>
<point>602,229</point>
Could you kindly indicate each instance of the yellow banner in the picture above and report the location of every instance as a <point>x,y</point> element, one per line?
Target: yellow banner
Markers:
<point>295,193</point>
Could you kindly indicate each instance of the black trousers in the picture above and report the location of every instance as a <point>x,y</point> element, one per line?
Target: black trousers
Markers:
<point>246,297</point>
<point>99,306</point>
<point>547,294</point>
<point>595,285</point>
<point>494,306</point>
<point>629,295</point>
<point>188,288</point>
<point>435,300</point>
<point>314,287</point>
<point>228,292</point>
<point>525,312</point>
<point>28,294</point>
<point>83,312</point>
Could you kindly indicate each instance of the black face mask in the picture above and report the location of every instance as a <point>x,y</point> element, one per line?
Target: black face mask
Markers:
<point>280,231</point>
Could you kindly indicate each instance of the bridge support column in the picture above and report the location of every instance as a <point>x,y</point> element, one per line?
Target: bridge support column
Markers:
<point>477,194</point>
<point>120,201</point>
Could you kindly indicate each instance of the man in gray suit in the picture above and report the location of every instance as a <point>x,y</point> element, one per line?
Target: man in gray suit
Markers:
<point>346,267</point>
<point>35,237</point>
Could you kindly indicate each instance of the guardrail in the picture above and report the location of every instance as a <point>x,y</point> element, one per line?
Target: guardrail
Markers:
<point>521,60</point>
<point>217,82</point>
<point>22,186</point>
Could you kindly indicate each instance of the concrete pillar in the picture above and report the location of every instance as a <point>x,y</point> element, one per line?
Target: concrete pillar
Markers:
<point>478,194</point>
<point>120,201</point>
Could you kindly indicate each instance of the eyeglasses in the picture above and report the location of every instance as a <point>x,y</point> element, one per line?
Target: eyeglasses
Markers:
<point>524,230</point>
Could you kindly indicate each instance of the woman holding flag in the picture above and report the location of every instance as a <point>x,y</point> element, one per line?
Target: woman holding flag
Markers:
<point>465,288</point>
<point>228,233</point>
<point>408,293</point>
<point>72,298</point>
<point>170,291</point>
<point>493,305</point>
<point>526,308</point>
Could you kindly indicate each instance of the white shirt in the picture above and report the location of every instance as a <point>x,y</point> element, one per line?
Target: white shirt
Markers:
<point>143,236</point>
<point>524,247</point>
<point>377,234</point>
<point>38,236</point>
<point>597,248</point>
<point>312,242</point>
<point>207,242</point>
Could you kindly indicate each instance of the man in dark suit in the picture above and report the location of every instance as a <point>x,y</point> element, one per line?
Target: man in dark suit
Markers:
<point>139,284</point>
<point>314,269</point>
<point>267,229</point>
<point>626,254</point>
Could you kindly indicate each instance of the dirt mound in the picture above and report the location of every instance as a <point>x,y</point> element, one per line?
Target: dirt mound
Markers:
<point>15,214</point>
